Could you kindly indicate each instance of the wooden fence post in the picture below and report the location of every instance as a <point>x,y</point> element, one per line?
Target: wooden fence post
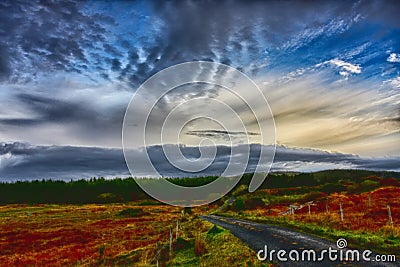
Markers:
<point>170,243</point>
<point>369,200</point>
<point>292,209</point>
<point>390,215</point>
<point>327,206</point>
<point>309,208</point>
<point>177,229</point>
<point>341,211</point>
<point>157,253</point>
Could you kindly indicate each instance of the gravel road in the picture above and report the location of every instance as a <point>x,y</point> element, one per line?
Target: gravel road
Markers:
<point>257,236</point>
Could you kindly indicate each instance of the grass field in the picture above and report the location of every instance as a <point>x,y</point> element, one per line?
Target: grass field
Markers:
<point>86,235</point>
<point>113,235</point>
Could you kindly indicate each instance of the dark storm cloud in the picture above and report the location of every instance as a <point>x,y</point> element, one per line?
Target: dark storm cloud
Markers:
<point>383,12</point>
<point>236,33</point>
<point>53,110</point>
<point>36,162</point>
<point>115,65</point>
<point>46,36</point>
<point>48,110</point>
<point>24,161</point>
<point>218,133</point>
<point>213,30</point>
<point>5,70</point>
<point>82,116</point>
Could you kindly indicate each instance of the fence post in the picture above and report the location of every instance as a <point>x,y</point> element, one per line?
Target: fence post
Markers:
<point>390,215</point>
<point>369,200</point>
<point>157,253</point>
<point>170,243</point>
<point>292,209</point>
<point>341,211</point>
<point>309,208</point>
<point>177,229</point>
<point>327,206</point>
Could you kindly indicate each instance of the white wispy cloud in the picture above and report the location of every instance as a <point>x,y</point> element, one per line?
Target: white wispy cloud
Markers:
<point>394,58</point>
<point>346,67</point>
<point>309,34</point>
<point>395,82</point>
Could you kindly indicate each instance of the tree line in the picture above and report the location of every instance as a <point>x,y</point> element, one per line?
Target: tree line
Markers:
<point>101,190</point>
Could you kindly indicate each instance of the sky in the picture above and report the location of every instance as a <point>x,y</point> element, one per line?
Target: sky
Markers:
<point>330,71</point>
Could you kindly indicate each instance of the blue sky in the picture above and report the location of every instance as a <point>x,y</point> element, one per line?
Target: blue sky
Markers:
<point>329,69</point>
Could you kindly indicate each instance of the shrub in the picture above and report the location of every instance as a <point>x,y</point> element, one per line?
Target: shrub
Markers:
<point>240,190</point>
<point>200,247</point>
<point>369,184</point>
<point>215,230</point>
<point>182,244</point>
<point>188,210</point>
<point>371,178</point>
<point>109,198</point>
<point>314,195</point>
<point>332,187</point>
<point>131,212</point>
<point>149,203</point>
<point>238,204</point>
<point>254,202</point>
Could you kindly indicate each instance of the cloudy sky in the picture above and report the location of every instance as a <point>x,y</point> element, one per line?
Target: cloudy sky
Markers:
<point>330,71</point>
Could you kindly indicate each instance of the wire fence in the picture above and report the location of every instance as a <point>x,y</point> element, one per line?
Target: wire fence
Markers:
<point>173,231</point>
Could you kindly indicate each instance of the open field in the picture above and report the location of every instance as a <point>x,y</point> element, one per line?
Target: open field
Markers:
<point>114,234</point>
<point>60,235</point>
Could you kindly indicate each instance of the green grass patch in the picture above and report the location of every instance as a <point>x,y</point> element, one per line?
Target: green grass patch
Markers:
<point>215,230</point>
<point>205,244</point>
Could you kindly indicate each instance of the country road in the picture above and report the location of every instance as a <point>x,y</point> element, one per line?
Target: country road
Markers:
<point>257,236</point>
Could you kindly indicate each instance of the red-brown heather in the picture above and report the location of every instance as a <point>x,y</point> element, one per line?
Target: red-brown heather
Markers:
<point>65,235</point>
